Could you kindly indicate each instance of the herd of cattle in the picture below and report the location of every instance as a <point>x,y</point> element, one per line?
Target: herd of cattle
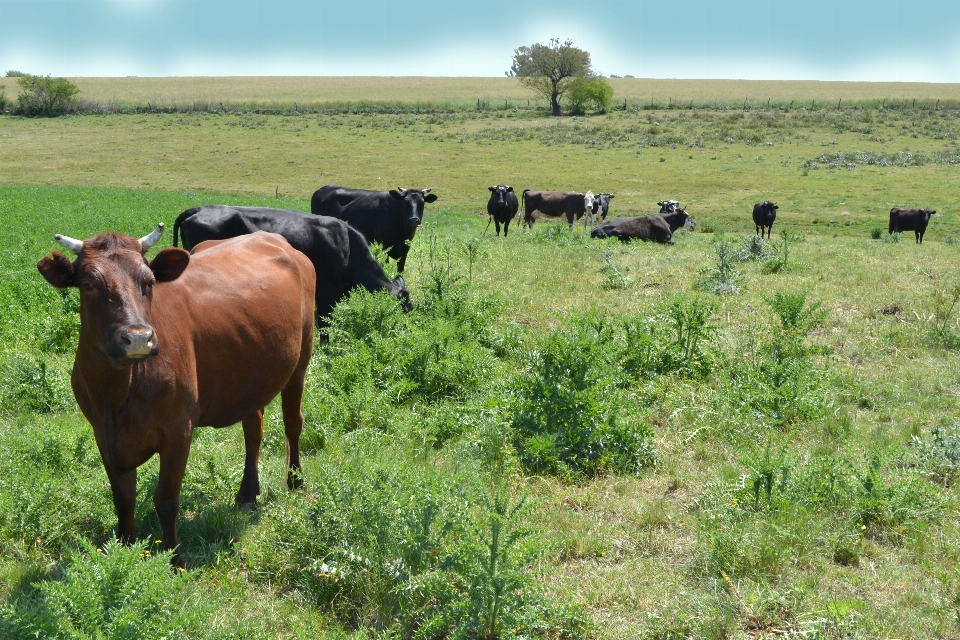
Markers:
<point>164,348</point>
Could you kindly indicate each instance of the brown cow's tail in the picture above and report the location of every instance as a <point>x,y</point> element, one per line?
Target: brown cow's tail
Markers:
<point>180,220</point>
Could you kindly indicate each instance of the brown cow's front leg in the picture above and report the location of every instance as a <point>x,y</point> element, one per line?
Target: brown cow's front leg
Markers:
<point>124,487</point>
<point>166,499</point>
<point>252,437</point>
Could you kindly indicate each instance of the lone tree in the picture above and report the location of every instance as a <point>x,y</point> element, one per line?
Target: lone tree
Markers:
<point>549,69</point>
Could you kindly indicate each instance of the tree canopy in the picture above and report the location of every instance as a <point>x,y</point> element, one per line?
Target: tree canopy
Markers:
<point>549,69</point>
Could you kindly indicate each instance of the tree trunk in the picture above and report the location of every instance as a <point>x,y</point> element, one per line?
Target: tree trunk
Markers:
<point>555,103</point>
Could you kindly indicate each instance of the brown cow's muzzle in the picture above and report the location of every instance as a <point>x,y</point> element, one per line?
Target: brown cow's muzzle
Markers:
<point>136,342</point>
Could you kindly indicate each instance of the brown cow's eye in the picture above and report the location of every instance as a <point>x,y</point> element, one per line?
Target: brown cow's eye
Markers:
<point>87,286</point>
<point>147,288</point>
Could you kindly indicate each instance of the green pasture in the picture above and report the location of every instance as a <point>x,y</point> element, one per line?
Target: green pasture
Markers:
<point>663,461</point>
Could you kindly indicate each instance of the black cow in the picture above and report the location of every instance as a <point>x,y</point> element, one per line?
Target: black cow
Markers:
<point>340,255</point>
<point>915,220</point>
<point>502,206</point>
<point>601,204</point>
<point>764,213</point>
<point>668,206</point>
<point>656,227</point>
<point>388,217</point>
<point>552,204</point>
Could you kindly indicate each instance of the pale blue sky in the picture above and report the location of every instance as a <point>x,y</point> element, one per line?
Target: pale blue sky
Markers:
<point>879,40</point>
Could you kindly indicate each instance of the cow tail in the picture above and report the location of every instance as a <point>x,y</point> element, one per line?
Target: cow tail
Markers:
<point>179,221</point>
<point>523,208</point>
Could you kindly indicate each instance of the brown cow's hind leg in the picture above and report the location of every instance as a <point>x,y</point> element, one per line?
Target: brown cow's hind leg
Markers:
<point>252,437</point>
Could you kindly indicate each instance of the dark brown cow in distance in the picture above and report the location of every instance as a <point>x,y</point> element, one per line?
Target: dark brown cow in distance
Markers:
<point>658,227</point>
<point>915,220</point>
<point>552,204</point>
<point>182,341</point>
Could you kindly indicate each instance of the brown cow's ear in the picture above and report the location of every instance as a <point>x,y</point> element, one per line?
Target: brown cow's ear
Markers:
<point>169,264</point>
<point>430,197</point>
<point>396,194</point>
<point>57,270</point>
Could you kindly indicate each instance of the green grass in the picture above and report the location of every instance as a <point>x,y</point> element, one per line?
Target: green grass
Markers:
<point>797,476</point>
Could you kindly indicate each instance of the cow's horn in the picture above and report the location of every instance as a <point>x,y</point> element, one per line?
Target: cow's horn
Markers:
<point>428,190</point>
<point>401,190</point>
<point>70,243</point>
<point>152,238</point>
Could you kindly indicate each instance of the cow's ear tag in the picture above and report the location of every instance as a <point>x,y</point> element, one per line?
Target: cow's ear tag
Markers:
<point>169,264</point>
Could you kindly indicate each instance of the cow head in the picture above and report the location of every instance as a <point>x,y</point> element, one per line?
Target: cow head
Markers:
<point>499,193</point>
<point>601,204</point>
<point>412,201</point>
<point>399,289</point>
<point>927,213</point>
<point>668,206</point>
<point>688,223</point>
<point>588,200</point>
<point>116,286</point>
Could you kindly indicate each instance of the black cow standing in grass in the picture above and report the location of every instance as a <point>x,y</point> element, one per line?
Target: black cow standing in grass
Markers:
<point>658,227</point>
<point>764,213</point>
<point>340,255</point>
<point>915,220</point>
<point>502,206</point>
<point>390,218</point>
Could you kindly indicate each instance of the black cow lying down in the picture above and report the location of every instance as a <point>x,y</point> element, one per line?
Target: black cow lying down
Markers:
<point>658,227</point>
<point>340,254</point>
<point>915,220</point>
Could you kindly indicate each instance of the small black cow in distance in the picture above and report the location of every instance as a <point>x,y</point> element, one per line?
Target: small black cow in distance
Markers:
<point>340,255</point>
<point>764,213</point>
<point>915,220</point>
<point>390,218</point>
<point>658,227</point>
<point>502,206</point>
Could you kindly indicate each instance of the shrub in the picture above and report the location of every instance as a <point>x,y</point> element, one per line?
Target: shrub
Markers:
<point>723,277</point>
<point>755,248</point>
<point>613,277</point>
<point>677,340</point>
<point>45,96</point>
<point>33,383</point>
<point>942,316</point>
<point>892,238</point>
<point>781,259</point>
<point>591,92</point>
<point>566,418</point>
<point>876,232</point>
<point>939,456</point>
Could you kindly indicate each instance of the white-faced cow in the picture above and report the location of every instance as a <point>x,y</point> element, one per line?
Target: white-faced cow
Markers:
<point>764,213</point>
<point>552,204</point>
<point>656,227</point>
<point>184,341</point>
<point>390,218</point>
<point>502,206</point>
<point>915,220</point>
<point>340,255</point>
<point>589,201</point>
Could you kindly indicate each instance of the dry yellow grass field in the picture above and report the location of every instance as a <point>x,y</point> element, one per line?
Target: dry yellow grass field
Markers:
<point>316,91</point>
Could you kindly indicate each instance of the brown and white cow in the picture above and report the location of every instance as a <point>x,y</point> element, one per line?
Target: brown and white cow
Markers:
<point>553,204</point>
<point>179,342</point>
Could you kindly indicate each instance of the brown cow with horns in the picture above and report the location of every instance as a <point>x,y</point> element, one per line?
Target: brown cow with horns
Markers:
<point>183,341</point>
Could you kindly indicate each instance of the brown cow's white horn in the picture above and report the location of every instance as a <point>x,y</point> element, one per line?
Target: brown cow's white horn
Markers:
<point>152,238</point>
<point>70,243</point>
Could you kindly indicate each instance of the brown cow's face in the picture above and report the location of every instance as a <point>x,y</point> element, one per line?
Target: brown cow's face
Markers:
<point>116,291</point>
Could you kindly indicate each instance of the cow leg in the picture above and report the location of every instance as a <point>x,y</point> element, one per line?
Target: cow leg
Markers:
<point>290,401</point>
<point>505,226</point>
<point>402,261</point>
<point>252,437</point>
<point>124,488</point>
<point>497,225</point>
<point>166,499</point>
<point>919,237</point>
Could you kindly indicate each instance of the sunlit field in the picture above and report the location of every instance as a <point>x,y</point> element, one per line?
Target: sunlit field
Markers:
<point>719,438</point>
